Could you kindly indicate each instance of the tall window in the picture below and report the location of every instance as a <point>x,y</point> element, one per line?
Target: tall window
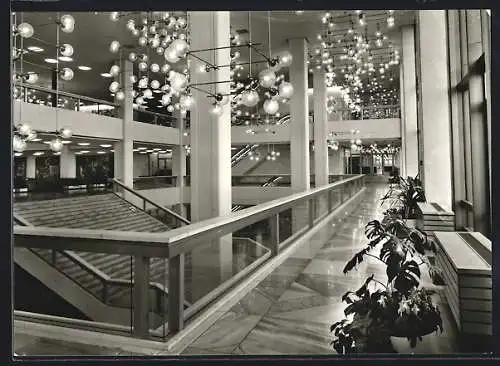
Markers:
<point>469,47</point>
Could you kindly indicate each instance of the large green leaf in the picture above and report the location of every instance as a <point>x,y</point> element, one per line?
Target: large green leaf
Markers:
<point>408,277</point>
<point>374,229</point>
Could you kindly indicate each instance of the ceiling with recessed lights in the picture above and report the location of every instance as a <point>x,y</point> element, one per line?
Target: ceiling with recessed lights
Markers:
<point>337,41</point>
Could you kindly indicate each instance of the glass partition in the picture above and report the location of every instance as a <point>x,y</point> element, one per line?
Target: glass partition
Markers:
<point>153,284</point>
<point>48,97</point>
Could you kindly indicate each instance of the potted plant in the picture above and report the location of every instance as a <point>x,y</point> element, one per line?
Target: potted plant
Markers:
<point>397,307</point>
<point>403,197</point>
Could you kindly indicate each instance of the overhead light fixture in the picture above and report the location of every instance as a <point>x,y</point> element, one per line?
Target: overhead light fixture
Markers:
<point>35,49</point>
<point>51,61</point>
<point>84,68</point>
<point>142,148</point>
<point>65,142</point>
<point>84,143</point>
<point>38,153</point>
<point>36,140</point>
<point>17,154</point>
<point>84,151</point>
<point>106,75</point>
<point>101,152</point>
<point>65,58</point>
<point>105,145</point>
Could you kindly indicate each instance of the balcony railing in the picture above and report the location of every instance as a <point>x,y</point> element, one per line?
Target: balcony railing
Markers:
<point>44,96</point>
<point>379,112</point>
<point>196,263</point>
<point>142,115</point>
<point>164,181</point>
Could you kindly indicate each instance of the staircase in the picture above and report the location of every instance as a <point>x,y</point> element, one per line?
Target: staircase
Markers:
<point>242,153</point>
<point>97,212</point>
<point>105,212</point>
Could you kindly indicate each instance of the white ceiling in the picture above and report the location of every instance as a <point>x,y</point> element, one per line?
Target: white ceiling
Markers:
<point>94,32</point>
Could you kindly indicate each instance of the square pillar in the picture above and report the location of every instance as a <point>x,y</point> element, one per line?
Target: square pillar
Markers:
<point>408,82</point>
<point>299,129</point>
<point>68,163</point>
<point>31,167</point>
<point>210,160</point>
<point>179,165</point>
<point>124,155</point>
<point>320,129</point>
<point>435,106</point>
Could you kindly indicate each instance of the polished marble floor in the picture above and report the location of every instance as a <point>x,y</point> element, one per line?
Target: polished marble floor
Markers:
<point>291,311</point>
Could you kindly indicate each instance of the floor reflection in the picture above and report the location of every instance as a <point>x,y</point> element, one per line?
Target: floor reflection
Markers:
<point>291,311</point>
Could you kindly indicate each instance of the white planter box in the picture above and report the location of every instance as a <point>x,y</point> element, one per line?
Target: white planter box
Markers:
<point>435,218</point>
<point>465,259</point>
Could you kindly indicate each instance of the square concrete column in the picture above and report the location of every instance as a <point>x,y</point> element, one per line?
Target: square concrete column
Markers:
<point>299,128</point>
<point>435,106</point>
<point>179,165</point>
<point>67,163</point>
<point>210,147</point>
<point>408,82</point>
<point>320,129</point>
<point>124,155</point>
<point>31,167</point>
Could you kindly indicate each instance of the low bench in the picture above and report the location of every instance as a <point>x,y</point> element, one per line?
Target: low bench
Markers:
<point>435,218</point>
<point>465,259</point>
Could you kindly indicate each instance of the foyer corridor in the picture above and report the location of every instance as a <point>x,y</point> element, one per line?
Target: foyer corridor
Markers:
<point>291,311</point>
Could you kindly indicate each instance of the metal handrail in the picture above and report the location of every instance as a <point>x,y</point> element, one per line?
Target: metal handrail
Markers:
<point>175,243</point>
<point>172,118</point>
<point>147,200</point>
<point>66,94</point>
<point>105,279</point>
<point>153,177</point>
<point>169,243</point>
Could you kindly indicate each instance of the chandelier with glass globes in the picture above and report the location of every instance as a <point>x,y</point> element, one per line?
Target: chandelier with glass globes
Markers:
<point>23,132</point>
<point>351,53</point>
<point>269,85</point>
<point>166,35</point>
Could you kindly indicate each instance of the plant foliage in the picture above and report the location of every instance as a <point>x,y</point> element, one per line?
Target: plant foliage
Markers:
<point>399,306</point>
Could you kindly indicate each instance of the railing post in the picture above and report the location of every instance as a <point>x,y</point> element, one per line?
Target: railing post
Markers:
<point>104,295</point>
<point>312,210</point>
<point>274,225</point>
<point>54,257</point>
<point>144,205</point>
<point>141,297</point>
<point>176,294</point>
<point>330,200</point>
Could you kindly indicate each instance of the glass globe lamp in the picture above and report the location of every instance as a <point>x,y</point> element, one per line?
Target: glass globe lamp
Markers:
<point>114,70</point>
<point>18,144</point>
<point>114,86</point>
<point>67,74</point>
<point>271,106</point>
<point>66,50</point>
<point>67,23</point>
<point>114,46</point>
<point>120,95</point>
<point>25,30</point>
<point>267,78</point>
<point>56,145</point>
<point>286,90</point>
<point>250,98</point>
